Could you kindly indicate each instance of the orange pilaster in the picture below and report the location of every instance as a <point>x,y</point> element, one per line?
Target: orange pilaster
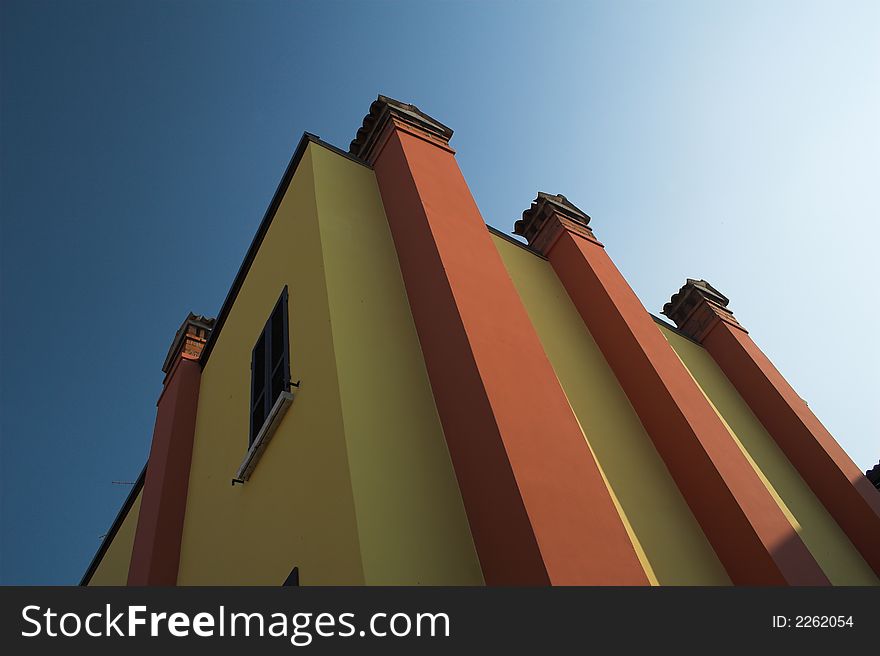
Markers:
<point>701,312</point>
<point>538,508</point>
<point>155,554</point>
<point>753,539</point>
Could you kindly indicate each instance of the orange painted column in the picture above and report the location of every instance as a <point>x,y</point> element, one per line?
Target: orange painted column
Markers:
<point>537,505</point>
<point>155,554</point>
<point>699,310</point>
<point>752,537</point>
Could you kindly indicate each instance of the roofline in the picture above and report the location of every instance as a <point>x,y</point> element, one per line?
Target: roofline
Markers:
<point>275,203</point>
<point>674,329</point>
<point>114,527</point>
<point>516,242</point>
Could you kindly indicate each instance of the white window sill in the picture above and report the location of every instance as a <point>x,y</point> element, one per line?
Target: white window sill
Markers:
<point>262,440</point>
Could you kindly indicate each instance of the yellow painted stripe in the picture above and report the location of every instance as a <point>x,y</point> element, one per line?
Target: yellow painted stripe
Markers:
<point>667,537</point>
<point>828,544</point>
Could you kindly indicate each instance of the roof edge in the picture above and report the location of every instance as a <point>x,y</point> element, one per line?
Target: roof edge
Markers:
<point>263,228</point>
<point>673,328</point>
<point>516,242</point>
<point>114,528</point>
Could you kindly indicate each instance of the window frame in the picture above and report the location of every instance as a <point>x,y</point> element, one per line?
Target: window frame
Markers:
<point>270,367</point>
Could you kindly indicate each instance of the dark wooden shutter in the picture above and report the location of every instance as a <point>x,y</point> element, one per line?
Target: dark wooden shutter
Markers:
<point>270,365</point>
<point>258,387</point>
<point>278,375</point>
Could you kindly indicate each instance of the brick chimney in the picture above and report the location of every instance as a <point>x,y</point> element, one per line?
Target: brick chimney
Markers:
<point>479,346</point>
<point>700,311</point>
<point>189,340</point>
<point>739,517</point>
<point>156,552</point>
<point>697,307</point>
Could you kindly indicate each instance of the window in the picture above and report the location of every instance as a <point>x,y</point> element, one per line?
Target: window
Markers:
<point>270,366</point>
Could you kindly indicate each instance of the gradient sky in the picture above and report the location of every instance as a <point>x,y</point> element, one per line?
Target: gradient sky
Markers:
<point>142,141</point>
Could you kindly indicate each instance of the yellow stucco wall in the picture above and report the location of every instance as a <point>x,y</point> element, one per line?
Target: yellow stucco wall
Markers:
<point>113,568</point>
<point>824,538</point>
<point>297,508</point>
<point>670,542</point>
<point>356,485</point>
<point>411,520</point>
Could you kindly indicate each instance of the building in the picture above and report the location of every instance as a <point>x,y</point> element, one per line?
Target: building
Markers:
<point>394,393</point>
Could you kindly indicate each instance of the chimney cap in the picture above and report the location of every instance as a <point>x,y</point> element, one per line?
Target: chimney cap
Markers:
<point>688,297</point>
<point>382,109</point>
<point>190,338</point>
<point>541,208</point>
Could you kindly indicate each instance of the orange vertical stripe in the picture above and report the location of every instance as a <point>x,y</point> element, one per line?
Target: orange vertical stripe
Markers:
<point>753,539</point>
<point>844,490</point>
<point>537,505</point>
<point>155,555</point>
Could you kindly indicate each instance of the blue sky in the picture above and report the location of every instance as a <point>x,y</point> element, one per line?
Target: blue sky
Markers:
<point>140,144</point>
